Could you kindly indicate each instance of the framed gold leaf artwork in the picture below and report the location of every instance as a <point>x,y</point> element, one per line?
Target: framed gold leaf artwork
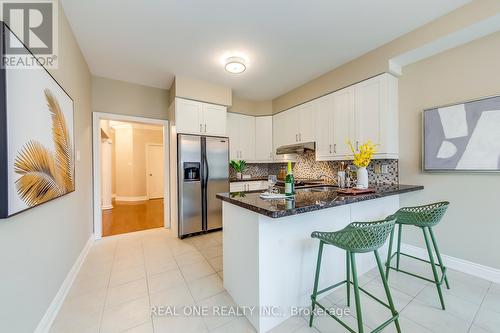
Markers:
<point>37,142</point>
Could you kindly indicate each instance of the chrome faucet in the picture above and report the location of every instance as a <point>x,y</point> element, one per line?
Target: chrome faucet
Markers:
<point>334,180</point>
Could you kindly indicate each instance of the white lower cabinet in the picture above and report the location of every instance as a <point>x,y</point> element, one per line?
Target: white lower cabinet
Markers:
<point>248,186</point>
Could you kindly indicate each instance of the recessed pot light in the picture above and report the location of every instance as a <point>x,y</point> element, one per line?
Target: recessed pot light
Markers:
<point>235,65</point>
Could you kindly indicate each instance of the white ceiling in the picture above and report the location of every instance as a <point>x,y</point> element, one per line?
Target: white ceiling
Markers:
<point>288,42</point>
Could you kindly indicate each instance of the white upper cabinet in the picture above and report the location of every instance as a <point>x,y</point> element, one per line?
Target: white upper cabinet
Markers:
<point>241,132</point>
<point>247,138</point>
<point>344,122</point>
<point>214,119</point>
<point>324,127</point>
<point>188,116</point>
<point>192,117</point>
<point>279,134</point>
<point>264,139</point>
<point>362,112</point>
<point>295,125</point>
<point>376,114</point>
<point>233,124</point>
<point>306,127</point>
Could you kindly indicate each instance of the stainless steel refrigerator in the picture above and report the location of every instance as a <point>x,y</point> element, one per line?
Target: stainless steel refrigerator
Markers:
<point>203,171</point>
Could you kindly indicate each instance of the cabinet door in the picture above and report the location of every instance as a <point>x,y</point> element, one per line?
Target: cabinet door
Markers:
<point>343,122</point>
<point>254,186</point>
<point>214,119</point>
<point>247,137</point>
<point>279,134</point>
<point>367,96</point>
<point>264,139</point>
<point>236,187</point>
<point>305,122</point>
<point>291,120</point>
<point>324,127</point>
<point>278,130</point>
<point>233,132</point>
<point>188,116</point>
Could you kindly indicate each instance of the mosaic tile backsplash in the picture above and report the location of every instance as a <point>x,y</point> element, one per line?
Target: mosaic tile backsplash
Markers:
<point>306,166</point>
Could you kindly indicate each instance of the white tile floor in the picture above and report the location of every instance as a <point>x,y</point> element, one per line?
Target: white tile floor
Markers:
<point>124,276</point>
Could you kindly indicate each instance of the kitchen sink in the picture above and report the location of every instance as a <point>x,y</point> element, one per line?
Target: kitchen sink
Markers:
<point>327,188</point>
<point>324,188</point>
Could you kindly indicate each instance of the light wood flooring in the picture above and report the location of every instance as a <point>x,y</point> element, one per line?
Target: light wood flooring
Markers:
<point>132,216</point>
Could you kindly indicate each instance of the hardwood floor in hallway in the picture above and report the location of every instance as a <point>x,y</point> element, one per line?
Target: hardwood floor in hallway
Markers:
<point>132,216</point>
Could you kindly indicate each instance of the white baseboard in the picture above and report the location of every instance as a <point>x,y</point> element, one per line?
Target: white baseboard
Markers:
<point>138,198</point>
<point>54,307</point>
<point>464,266</point>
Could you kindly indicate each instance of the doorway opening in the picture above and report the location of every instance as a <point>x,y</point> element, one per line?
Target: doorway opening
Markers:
<point>130,174</point>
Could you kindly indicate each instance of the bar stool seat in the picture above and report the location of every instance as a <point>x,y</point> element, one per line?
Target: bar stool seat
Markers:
<point>357,237</point>
<point>424,217</point>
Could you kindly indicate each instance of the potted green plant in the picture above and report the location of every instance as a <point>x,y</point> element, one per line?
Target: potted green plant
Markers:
<point>238,166</point>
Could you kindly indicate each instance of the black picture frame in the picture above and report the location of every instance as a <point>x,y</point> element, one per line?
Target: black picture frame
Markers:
<point>4,139</point>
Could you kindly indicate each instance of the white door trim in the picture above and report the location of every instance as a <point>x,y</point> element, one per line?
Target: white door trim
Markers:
<point>96,170</point>
<point>147,165</point>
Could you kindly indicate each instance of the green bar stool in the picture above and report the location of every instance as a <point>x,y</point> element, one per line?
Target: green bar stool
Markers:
<point>424,217</point>
<point>357,237</point>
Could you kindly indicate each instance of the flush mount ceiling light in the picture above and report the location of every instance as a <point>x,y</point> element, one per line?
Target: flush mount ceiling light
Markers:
<point>235,65</point>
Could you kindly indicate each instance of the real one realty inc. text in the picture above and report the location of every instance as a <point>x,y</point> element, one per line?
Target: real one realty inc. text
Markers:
<point>238,311</point>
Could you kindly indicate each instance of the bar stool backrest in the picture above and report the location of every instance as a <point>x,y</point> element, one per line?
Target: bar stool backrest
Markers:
<point>422,216</point>
<point>359,237</point>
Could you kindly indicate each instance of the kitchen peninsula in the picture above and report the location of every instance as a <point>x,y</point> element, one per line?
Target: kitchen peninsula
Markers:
<point>269,256</point>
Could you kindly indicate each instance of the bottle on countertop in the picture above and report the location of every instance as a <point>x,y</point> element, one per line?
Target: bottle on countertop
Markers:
<point>289,181</point>
<point>341,176</point>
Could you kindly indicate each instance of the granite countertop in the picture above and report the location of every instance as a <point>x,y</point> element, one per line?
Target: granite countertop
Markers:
<point>253,179</point>
<point>308,201</point>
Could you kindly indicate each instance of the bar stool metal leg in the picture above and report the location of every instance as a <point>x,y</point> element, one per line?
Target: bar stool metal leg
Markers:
<point>387,291</point>
<point>400,229</point>
<point>356,293</point>
<point>433,265</point>
<point>438,255</point>
<point>348,276</point>
<point>316,280</point>
<point>389,254</point>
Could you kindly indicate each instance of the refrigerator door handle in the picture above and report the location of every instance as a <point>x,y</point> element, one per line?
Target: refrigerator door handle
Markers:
<point>206,169</point>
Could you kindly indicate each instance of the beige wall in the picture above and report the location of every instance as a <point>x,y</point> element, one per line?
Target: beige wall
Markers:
<point>129,160</point>
<point>376,62</point>
<point>39,247</point>
<point>198,90</point>
<point>123,161</point>
<point>130,99</point>
<point>252,108</point>
<point>471,227</point>
<point>469,230</point>
<point>141,138</point>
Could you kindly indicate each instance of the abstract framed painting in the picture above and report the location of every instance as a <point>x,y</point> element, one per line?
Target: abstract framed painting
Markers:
<point>36,137</point>
<point>463,137</point>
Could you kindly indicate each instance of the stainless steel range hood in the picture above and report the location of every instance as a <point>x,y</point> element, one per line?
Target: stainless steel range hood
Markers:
<point>298,148</point>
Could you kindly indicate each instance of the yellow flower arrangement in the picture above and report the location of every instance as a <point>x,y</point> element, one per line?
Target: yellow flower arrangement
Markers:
<point>364,155</point>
